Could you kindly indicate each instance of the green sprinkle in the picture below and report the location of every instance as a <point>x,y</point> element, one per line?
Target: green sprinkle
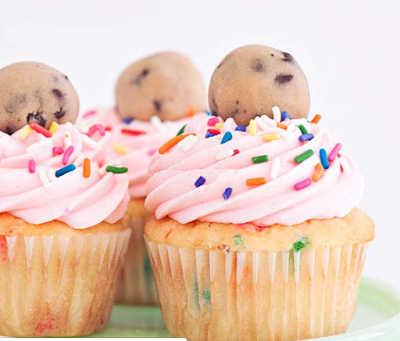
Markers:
<point>303,129</point>
<point>304,156</point>
<point>181,131</point>
<point>260,159</point>
<point>238,240</point>
<point>301,244</point>
<point>116,170</point>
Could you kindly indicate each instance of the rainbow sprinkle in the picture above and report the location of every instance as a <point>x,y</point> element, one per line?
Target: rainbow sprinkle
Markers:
<point>345,166</point>
<point>227,193</point>
<point>90,143</point>
<point>187,143</point>
<point>58,150</point>
<point>68,139</point>
<point>303,129</point>
<point>25,132</point>
<point>276,112</point>
<point>171,143</point>
<point>270,123</point>
<point>120,149</point>
<point>191,112</point>
<point>324,158</point>
<point>304,156</point>
<point>44,179</point>
<point>227,137</point>
<point>213,131</point>
<point>54,127</point>
<point>260,159</point>
<point>132,132</point>
<point>116,170</point>
<point>39,145</point>
<point>96,128</point>
<point>32,166</point>
<point>306,137</point>
<point>253,128</point>
<point>89,113</point>
<point>302,184</point>
<point>127,120</point>
<point>157,123</point>
<point>240,128</point>
<point>285,116</point>
<point>219,125</point>
<point>224,154</point>
<point>67,155</point>
<point>213,121</point>
<point>319,172</point>
<point>316,119</point>
<point>335,151</point>
<point>86,167</point>
<point>275,168</point>
<point>256,181</point>
<point>65,170</point>
<point>236,151</point>
<point>271,137</point>
<point>39,129</point>
<point>200,181</point>
<point>181,131</point>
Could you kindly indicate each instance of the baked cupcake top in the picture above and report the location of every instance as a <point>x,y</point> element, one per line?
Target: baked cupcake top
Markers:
<point>274,171</point>
<point>56,174</point>
<point>132,143</point>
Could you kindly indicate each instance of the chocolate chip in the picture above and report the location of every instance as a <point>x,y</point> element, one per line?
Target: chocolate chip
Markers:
<point>288,57</point>
<point>282,79</point>
<point>234,112</point>
<point>272,55</point>
<point>59,114</point>
<point>66,77</point>
<point>138,80</point>
<point>258,65</point>
<point>57,93</point>
<point>38,118</point>
<point>214,113</point>
<point>10,130</point>
<point>157,105</point>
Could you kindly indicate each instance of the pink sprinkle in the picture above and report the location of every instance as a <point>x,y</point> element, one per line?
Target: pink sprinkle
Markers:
<point>89,113</point>
<point>32,166</point>
<point>96,127</point>
<point>67,154</point>
<point>213,121</point>
<point>335,151</point>
<point>58,150</point>
<point>151,152</point>
<point>302,184</point>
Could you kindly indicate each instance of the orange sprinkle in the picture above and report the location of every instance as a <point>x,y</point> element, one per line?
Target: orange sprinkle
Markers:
<point>86,168</point>
<point>316,118</point>
<point>191,112</point>
<point>171,143</point>
<point>256,181</point>
<point>319,172</point>
<point>280,125</point>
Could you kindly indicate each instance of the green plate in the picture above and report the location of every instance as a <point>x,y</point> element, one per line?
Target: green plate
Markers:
<point>377,318</point>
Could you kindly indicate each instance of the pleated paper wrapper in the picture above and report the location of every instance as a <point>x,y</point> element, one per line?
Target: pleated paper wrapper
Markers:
<point>59,285</point>
<point>257,296</point>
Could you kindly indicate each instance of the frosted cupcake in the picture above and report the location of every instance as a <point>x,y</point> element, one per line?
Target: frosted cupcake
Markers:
<point>154,98</point>
<point>62,239</point>
<point>256,234</point>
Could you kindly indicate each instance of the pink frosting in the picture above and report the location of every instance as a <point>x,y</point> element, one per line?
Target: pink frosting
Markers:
<point>172,191</point>
<point>73,199</point>
<point>140,148</point>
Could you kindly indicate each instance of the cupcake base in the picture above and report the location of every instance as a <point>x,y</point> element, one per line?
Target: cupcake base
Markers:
<point>239,291</point>
<point>137,284</point>
<point>57,281</point>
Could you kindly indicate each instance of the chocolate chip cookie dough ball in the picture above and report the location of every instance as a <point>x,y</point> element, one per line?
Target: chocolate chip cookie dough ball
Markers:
<point>252,79</point>
<point>165,84</point>
<point>31,91</point>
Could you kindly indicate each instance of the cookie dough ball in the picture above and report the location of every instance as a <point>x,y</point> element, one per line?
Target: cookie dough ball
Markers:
<point>252,79</point>
<point>165,84</point>
<point>31,91</point>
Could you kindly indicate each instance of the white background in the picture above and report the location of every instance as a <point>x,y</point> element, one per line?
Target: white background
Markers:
<point>349,50</point>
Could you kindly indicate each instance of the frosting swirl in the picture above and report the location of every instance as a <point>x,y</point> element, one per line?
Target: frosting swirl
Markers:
<point>133,144</point>
<point>172,189</point>
<point>38,193</point>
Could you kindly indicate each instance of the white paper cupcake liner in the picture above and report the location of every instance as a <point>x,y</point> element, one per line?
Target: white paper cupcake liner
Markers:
<point>137,284</point>
<point>257,296</point>
<point>59,285</point>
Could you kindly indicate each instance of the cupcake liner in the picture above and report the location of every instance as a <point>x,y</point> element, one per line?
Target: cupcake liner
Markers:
<point>59,285</point>
<point>137,284</point>
<point>258,296</point>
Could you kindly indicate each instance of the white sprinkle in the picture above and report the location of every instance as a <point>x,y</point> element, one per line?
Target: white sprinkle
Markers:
<point>268,121</point>
<point>187,143</point>
<point>83,129</point>
<point>298,121</point>
<point>67,140</point>
<point>224,154</point>
<point>79,160</point>
<point>90,142</point>
<point>275,168</point>
<point>114,163</point>
<point>44,178</point>
<point>156,122</point>
<point>261,123</point>
<point>39,145</point>
<point>68,124</point>
<point>291,128</point>
<point>51,174</point>
<point>345,166</point>
<point>104,139</point>
<point>277,113</point>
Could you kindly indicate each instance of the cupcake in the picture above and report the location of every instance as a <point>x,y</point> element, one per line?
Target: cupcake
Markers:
<point>154,98</point>
<point>62,237</point>
<point>256,234</point>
